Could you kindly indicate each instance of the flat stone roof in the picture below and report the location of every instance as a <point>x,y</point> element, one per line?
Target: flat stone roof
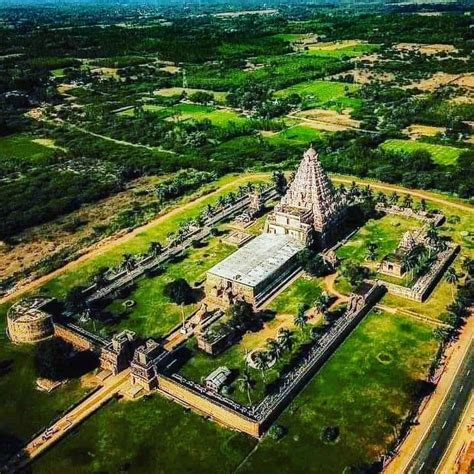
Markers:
<point>258,259</point>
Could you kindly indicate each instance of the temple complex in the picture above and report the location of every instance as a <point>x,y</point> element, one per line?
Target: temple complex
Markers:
<point>311,210</point>
<point>307,215</point>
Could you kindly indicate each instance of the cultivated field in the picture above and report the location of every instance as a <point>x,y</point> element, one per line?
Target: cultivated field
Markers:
<point>442,154</point>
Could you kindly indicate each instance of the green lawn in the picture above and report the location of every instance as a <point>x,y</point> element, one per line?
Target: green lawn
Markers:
<point>348,51</point>
<point>291,37</point>
<point>23,147</point>
<point>24,409</point>
<point>157,109</point>
<point>218,117</point>
<point>201,364</point>
<point>146,436</point>
<point>385,232</point>
<point>296,135</point>
<point>442,154</point>
<point>301,291</point>
<point>154,314</point>
<point>365,398</point>
<point>320,92</point>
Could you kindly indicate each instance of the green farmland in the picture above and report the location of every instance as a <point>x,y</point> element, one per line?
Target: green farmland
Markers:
<point>25,147</point>
<point>442,154</point>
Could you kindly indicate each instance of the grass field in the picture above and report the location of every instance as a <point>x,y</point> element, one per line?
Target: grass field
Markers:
<point>218,117</point>
<point>296,135</point>
<point>442,154</point>
<point>385,232</point>
<point>154,314</point>
<point>301,291</point>
<point>173,91</point>
<point>321,93</point>
<point>365,398</point>
<point>342,50</point>
<point>25,147</point>
<point>146,436</point>
<point>24,409</point>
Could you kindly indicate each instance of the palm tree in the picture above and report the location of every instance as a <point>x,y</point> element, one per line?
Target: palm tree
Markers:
<point>407,201</point>
<point>381,198</point>
<point>222,202</point>
<point>422,205</point>
<point>394,198</point>
<point>261,360</point>
<point>155,248</point>
<point>372,251</point>
<point>100,278</point>
<point>300,318</point>
<point>246,384</point>
<point>452,278</point>
<point>274,348</point>
<point>321,304</point>
<point>285,339</point>
<point>209,210</point>
<point>128,262</point>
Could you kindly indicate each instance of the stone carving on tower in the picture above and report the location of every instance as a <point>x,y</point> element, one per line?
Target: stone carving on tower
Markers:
<point>310,209</point>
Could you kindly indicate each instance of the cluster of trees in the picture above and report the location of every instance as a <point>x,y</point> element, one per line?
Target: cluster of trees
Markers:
<point>184,182</point>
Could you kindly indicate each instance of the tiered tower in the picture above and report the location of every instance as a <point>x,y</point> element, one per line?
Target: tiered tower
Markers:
<point>310,209</point>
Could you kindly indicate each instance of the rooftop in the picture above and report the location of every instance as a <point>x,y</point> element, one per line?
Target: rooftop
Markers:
<point>257,260</point>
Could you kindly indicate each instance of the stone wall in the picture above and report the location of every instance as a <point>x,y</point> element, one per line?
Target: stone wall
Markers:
<point>78,341</point>
<point>425,284</point>
<point>207,406</point>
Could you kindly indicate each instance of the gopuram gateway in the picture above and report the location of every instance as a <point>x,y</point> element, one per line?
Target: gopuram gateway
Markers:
<point>308,216</point>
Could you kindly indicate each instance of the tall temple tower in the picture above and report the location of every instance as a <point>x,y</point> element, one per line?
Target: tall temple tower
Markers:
<point>310,210</point>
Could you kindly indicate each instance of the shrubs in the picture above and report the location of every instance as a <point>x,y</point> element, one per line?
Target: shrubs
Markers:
<point>330,434</point>
<point>276,432</point>
<point>52,359</point>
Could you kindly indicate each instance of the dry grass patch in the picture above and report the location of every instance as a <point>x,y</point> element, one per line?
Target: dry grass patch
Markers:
<point>416,131</point>
<point>428,49</point>
<point>330,120</point>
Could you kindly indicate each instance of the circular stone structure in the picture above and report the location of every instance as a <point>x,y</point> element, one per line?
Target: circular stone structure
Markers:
<point>27,322</point>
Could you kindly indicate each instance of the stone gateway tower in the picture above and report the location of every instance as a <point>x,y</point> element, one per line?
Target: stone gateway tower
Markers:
<point>311,210</point>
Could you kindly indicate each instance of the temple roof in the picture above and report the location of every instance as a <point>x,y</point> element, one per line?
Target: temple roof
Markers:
<point>312,189</point>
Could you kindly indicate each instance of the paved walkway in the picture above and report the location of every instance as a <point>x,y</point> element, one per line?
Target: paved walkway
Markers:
<point>70,420</point>
<point>455,356</point>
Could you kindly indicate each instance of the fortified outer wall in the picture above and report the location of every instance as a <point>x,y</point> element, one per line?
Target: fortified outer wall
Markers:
<point>426,284</point>
<point>75,339</point>
<point>220,413</point>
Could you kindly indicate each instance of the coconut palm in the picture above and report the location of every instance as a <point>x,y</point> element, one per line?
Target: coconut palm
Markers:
<point>285,339</point>
<point>422,205</point>
<point>321,304</point>
<point>246,383</point>
<point>394,198</point>
<point>300,318</point>
<point>452,278</point>
<point>274,348</point>
<point>372,251</point>
<point>129,262</point>
<point>262,361</point>
<point>155,248</point>
<point>407,201</point>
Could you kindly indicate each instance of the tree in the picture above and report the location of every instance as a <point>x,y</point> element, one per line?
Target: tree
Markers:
<point>300,317</point>
<point>321,303</point>
<point>280,182</point>
<point>407,201</point>
<point>129,262</point>
<point>274,349</point>
<point>372,251</point>
<point>155,249</point>
<point>262,362</point>
<point>285,339</point>
<point>313,263</point>
<point>241,315</point>
<point>52,358</point>
<point>452,278</point>
<point>246,384</point>
<point>381,197</point>
<point>422,205</point>
<point>394,198</point>
<point>179,291</point>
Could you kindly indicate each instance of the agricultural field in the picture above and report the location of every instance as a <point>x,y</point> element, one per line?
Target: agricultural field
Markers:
<point>218,117</point>
<point>342,49</point>
<point>177,91</point>
<point>294,135</point>
<point>26,148</point>
<point>322,93</point>
<point>442,154</point>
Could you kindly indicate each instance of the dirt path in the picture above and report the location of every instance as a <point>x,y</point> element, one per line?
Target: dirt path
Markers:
<point>112,243</point>
<point>120,240</point>
<point>330,288</point>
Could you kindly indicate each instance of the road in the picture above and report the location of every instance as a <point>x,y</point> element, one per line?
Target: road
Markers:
<point>69,421</point>
<point>428,455</point>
